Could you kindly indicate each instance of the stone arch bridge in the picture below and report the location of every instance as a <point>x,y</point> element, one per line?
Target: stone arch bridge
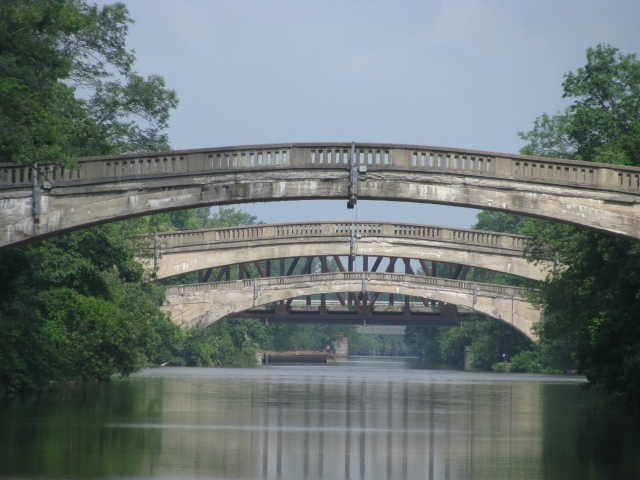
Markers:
<point>206,303</point>
<point>199,250</point>
<point>42,201</point>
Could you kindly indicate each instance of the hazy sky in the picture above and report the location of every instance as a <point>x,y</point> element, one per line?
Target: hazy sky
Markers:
<point>459,73</point>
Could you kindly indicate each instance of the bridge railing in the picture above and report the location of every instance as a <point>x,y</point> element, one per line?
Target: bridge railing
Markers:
<point>341,229</point>
<point>337,155</point>
<point>365,277</point>
<point>315,302</point>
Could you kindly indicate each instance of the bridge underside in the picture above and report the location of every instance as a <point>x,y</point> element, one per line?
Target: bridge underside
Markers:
<point>409,314</point>
<point>347,308</point>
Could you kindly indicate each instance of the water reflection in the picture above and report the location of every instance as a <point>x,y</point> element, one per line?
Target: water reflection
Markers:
<point>356,420</point>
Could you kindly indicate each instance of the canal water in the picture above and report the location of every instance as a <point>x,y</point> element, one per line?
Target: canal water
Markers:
<point>359,419</point>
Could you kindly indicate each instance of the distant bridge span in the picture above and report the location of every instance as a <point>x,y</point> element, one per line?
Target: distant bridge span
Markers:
<point>103,189</point>
<point>206,303</point>
<point>189,251</point>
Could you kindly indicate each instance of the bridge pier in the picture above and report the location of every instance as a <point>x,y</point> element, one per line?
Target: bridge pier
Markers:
<point>341,347</point>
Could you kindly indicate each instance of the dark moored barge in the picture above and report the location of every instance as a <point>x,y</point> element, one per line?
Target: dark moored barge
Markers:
<point>300,356</point>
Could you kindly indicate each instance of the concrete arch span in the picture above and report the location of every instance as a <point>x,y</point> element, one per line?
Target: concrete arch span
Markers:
<point>50,200</point>
<point>204,304</point>
<point>185,252</point>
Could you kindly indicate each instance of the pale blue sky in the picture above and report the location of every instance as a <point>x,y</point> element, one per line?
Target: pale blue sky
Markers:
<point>459,73</point>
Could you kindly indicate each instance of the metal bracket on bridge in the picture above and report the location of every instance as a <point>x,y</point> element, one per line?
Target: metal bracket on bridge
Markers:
<point>36,194</point>
<point>364,288</point>
<point>256,289</point>
<point>353,179</point>
<point>156,251</point>
<point>353,243</point>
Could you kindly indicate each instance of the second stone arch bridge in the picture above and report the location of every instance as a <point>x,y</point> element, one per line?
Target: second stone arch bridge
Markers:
<point>177,253</point>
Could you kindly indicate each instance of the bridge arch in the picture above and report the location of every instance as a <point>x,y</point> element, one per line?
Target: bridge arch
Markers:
<point>204,304</point>
<point>102,189</point>
<point>189,251</point>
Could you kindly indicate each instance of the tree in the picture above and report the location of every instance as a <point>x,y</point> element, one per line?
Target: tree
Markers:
<point>594,299</point>
<point>192,219</point>
<point>603,123</point>
<point>77,306</point>
<point>227,342</point>
<point>500,222</point>
<point>67,85</point>
<point>306,336</point>
<point>488,339</point>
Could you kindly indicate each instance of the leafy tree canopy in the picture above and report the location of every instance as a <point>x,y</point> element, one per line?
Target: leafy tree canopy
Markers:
<point>77,306</point>
<point>203,217</point>
<point>593,301</point>
<point>603,122</point>
<point>68,88</point>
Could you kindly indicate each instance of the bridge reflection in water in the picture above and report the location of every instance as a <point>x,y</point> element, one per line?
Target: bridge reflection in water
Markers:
<point>321,424</point>
<point>364,419</point>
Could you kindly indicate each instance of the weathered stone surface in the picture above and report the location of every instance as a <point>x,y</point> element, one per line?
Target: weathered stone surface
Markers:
<point>103,189</point>
<point>185,252</point>
<point>204,304</point>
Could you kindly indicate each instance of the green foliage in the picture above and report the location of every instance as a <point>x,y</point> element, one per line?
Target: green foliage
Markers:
<point>500,222</point>
<point>603,122</point>
<point>500,367</point>
<point>168,343</point>
<point>379,345</point>
<point>75,307</point>
<point>488,340</point>
<point>530,361</point>
<point>228,342</point>
<point>549,137</point>
<point>91,338</point>
<point>305,337</point>
<point>593,299</point>
<point>193,219</point>
<point>427,342</point>
<point>51,48</point>
<point>284,337</point>
<point>605,118</point>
